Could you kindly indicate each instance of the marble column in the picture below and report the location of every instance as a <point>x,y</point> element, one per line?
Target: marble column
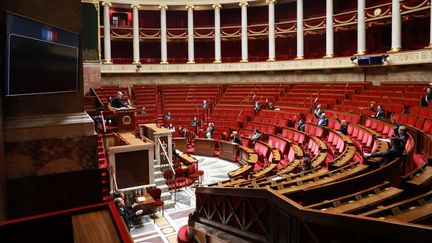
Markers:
<point>361,28</point>
<point>329,29</point>
<point>163,34</point>
<point>396,27</point>
<point>430,27</point>
<point>107,33</point>
<point>271,30</point>
<point>244,35</point>
<point>300,37</point>
<point>217,33</point>
<point>136,35</point>
<point>191,58</point>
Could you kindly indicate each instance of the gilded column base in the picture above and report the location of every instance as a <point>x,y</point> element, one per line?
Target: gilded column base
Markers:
<point>107,62</point>
<point>136,62</point>
<point>429,46</point>
<point>394,49</point>
<point>360,53</point>
<point>190,62</point>
<point>217,61</point>
<point>164,62</point>
<point>271,59</point>
<point>244,60</point>
<point>328,56</point>
<point>299,58</point>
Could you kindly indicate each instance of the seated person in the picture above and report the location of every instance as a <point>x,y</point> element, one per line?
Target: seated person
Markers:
<point>306,163</point>
<point>395,150</point>
<point>344,126</point>
<point>401,133</point>
<point>322,121</point>
<point>235,138</point>
<point>300,125</point>
<point>143,111</point>
<point>195,121</point>
<point>171,127</point>
<point>317,109</point>
<point>257,106</point>
<point>175,154</point>
<point>269,105</point>
<point>428,97</point>
<point>183,132</point>
<point>167,116</point>
<point>127,213</point>
<point>205,105</point>
<point>379,112</point>
<point>255,136</point>
<point>116,101</point>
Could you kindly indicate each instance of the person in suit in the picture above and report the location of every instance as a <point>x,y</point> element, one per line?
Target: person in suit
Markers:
<point>143,111</point>
<point>300,125</point>
<point>379,112</point>
<point>322,121</point>
<point>401,133</point>
<point>395,150</point>
<point>257,106</point>
<point>317,109</point>
<point>128,214</point>
<point>117,103</point>
<point>205,105</point>
<point>255,136</point>
<point>428,96</point>
<point>269,105</point>
<point>167,116</point>
<point>210,130</point>
<point>344,126</point>
<point>171,127</point>
<point>306,163</point>
<point>235,138</point>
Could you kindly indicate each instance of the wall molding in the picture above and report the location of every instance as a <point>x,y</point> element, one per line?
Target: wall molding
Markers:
<point>423,56</point>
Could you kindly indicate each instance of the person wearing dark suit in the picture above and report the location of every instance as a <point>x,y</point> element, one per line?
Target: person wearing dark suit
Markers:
<point>300,125</point>
<point>116,101</point>
<point>127,213</point>
<point>235,138</point>
<point>317,109</point>
<point>255,136</point>
<point>167,116</point>
<point>395,150</point>
<point>379,112</point>
<point>428,97</point>
<point>322,121</point>
<point>344,126</point>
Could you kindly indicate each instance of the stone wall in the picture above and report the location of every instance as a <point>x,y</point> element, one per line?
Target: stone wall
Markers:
<point>91,76</point>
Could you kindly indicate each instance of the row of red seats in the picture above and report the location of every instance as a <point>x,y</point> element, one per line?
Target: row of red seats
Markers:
<point>263,151</point>
<point>217,116</point>
<point>314,130</point>
<point>425,112</point>
<point>362,137</point>
<point>420,123</point>
<point>280,114</point>
<point>351,118</point>
<point>294,135</point>
<point>385,129</point>
<point>336,141</point>
<point>263,128</point>
<point>271,120</point>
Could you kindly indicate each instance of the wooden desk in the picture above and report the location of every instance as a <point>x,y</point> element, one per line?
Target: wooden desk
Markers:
<point>145,202</point>
<point>187,159</point>
<point>125,119</point>
<point>204,147</point>
<point>242,171</point>
<point>247,155</point>
<point>180,144</point>
<point>228,150</point>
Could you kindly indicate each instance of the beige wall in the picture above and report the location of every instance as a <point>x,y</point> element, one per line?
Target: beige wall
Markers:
<point>413,73</point>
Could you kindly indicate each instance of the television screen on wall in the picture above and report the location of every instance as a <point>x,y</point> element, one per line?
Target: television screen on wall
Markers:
<point>39,58</point>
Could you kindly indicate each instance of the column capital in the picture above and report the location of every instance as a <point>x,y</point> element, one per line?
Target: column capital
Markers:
<point>216,6</point>
<point>163,7</point>
<point>271,1</point>
<point>135,6</point>
<point>243,3</point>
<point>189,7</point>
<point>106,3</point>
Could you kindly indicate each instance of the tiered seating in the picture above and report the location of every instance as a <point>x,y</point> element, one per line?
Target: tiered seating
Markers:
<point>420,178</point>
<point>106,92</point>
<point>263,128</point>
<point>278,122</point>
<point>424,112</point>
<point>341,147</point>
<point>294,135</point>
<point>413,210</point>
<point>314,130</point>
<point>363,137</point>
<point>145,96</point>
<point>359,201</point>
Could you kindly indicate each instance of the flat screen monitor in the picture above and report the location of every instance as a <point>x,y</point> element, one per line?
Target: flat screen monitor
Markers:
<point>40,59</point>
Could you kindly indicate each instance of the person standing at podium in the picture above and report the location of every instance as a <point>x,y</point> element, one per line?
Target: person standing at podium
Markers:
<point>116,102</point>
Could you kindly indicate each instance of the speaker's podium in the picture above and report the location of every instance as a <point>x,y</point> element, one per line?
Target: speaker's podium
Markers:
<point>125,119</point>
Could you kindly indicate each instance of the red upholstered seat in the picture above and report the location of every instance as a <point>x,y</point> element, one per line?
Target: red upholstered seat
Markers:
<point>182,236</point>
<point>156,195</point>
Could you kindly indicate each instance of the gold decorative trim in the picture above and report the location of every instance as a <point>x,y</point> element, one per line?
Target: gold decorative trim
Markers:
<point>104,3</point>
<point>244,60</point>
<point>107,62</point>
<point>422,56</point>
<point>164,62</point>
<point>243,3</point>
<point>270,1</point>
<point>299,58</point>
<point>190,62</point>
<point>429,46</point>
<point>217,61</point>
<point>328,56</point>
<point>360,53</point>
<point>216,6</point>
<point>135,6</point>
<point>271,59</point>
<point>163,7</point>
<point>189,7</point>
<point>127,120</point>
<point>136,62</point>
<point>394,49</point>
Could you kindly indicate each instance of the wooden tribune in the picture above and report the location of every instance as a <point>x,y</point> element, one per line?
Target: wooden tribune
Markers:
<point>125,119</point>
<point>204,147</point>
<point>228,150</point>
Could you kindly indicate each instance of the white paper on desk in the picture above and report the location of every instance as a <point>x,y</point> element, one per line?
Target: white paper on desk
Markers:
<point>366,154</point>
<point>276,178</point>
<point>141,199</point>
<point>384,140</point>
